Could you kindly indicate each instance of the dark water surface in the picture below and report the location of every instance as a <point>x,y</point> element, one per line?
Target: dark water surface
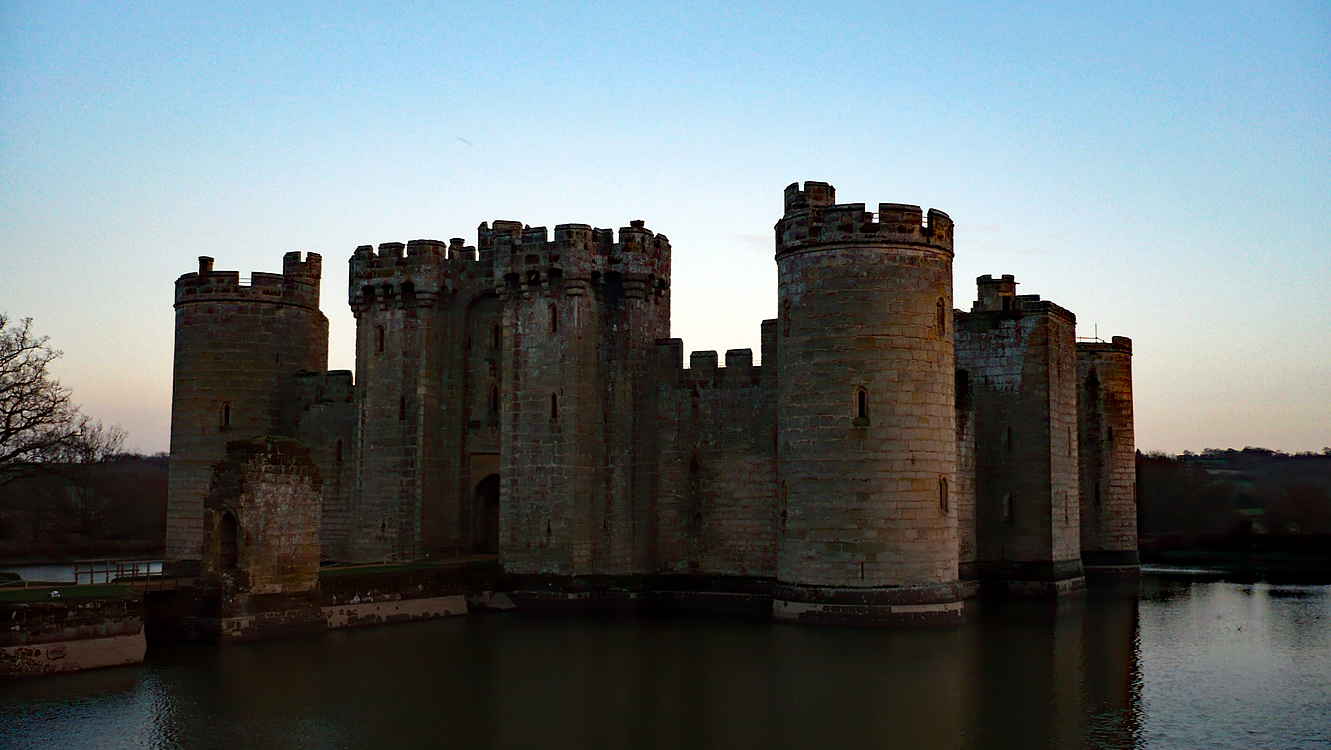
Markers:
<point>1184,665</point>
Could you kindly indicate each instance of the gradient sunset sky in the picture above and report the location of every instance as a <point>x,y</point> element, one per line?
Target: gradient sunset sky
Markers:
<point>1161,169</point>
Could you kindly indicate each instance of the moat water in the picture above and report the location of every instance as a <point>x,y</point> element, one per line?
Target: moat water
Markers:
<point>1184,664</point>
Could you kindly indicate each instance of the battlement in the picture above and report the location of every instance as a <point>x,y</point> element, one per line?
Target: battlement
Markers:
<point>416,273</point>
<point>995,294</point>
<point>333,386</point>
<point>297,285</point>
<point>704,370</point>
<point>1118,344</point>
<point>814,220</point>
<point>579,260</point>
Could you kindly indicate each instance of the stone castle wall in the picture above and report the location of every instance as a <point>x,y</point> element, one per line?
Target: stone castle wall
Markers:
<point>716,481</point>
<point>1018,356</point>
<point>1108,447</point>
<point>523,397</point>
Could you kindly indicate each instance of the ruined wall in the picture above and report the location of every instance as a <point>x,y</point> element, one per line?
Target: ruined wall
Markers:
<point>328,429</point>
<point>1108,453</point>
<point>237,349</point>
<point>1019,359</point>
<point>866,424</point>
<point>716,477</point>
<point>582,314</point>
<point>262,517</point>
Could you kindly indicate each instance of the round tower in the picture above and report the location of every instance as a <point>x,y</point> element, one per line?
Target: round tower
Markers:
<point>866,438</point>
<point>237,348</point>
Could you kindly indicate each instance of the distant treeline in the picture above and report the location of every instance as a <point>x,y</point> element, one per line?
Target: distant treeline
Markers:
<point>109,508</point>
<point>1254,499</point>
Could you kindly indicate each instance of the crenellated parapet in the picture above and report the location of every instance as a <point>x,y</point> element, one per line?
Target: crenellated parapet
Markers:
<point>705,369</point>
<point>416,274</point>
<point>813,220</point>
<point>297,285</point>
<point>580,260</point>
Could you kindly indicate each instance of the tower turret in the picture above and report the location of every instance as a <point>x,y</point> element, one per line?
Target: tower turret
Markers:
<point>238,347</point>
<point>1108,457</point>
<point>582,314</point>
<point>866,449</point>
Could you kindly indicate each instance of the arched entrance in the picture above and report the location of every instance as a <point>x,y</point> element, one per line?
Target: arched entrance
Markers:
<point>487,505</point>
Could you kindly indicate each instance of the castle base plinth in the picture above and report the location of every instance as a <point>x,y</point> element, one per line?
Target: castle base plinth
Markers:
<point>1032,580</point>
<point>1110,566</point>
<point>938,605</point>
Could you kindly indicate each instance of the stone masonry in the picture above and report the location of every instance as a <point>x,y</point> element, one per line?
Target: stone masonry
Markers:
<point>522,397</point>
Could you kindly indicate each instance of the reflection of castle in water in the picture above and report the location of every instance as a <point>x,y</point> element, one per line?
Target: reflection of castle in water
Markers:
<point>523,397</point>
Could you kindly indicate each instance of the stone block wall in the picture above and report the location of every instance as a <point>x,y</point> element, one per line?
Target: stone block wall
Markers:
<point>1108,453</point>
<point>328,430</point>
<point>237,349</point>
<point>716,477</point>
<point>1018,356</point>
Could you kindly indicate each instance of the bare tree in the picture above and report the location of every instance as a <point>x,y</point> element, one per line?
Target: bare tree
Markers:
<point>39,425</point>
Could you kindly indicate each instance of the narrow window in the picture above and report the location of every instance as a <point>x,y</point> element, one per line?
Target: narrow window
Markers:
<point>494,401</point>
<point>494,336</point>
<point>1008,511</point>
<point>861,403</point>
<point>940,318</point>
<point>942,494</point>
<point>554,407</point>
<point>554,319</point>
<point>226,415</point>
<point>379,339</point>
<point>1009,437</point>
<point>1097,494</point>
<point>402,409</point>
<point>339,452</point>
<point>1111,434</point>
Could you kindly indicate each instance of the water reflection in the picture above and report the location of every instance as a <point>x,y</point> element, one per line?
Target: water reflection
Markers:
<point>1106,672</point>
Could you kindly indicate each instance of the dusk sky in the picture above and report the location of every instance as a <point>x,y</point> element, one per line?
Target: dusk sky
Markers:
<point>1163,170</point>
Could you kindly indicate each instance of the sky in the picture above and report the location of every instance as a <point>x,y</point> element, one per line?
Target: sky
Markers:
<point>1163,170</point>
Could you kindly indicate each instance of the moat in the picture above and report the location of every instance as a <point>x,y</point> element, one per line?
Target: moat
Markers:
<point>1187,663</point>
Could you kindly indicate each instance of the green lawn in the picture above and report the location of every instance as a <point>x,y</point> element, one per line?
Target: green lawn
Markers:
<point>40,592</point>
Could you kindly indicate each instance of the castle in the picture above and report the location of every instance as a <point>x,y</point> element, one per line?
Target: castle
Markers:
<point>522,397</point>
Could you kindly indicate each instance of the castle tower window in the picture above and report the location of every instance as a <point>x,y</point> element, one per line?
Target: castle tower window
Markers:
<point>554,407</point>
<point>226,415</point>
<point>1009,512</point>
<point>1009,437</point>
<point>1097,494</point>
<point>379,339</point>
<point>940,321</point>
<point>494,402</point>
<point>402,409</point>
<point>494,336</point>
<point>942,494</point>
<point>861,405</point>
<point>338,455</point>
<point>554,319</point>
<point>408,295</point>
<point>1111,433</point>
<point>367,294</point>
